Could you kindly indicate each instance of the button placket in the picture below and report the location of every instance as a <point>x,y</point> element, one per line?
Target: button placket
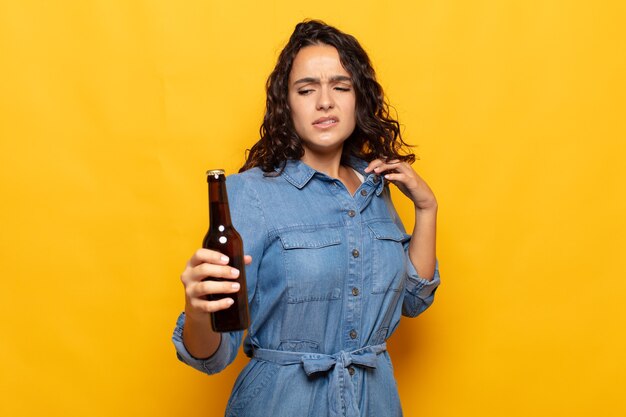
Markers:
<point>351,208</point>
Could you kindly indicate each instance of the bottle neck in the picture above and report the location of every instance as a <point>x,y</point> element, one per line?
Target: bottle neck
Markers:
<point>219,213</point>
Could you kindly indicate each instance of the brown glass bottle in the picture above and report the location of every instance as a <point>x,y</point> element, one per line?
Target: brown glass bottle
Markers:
<point>223,237</point>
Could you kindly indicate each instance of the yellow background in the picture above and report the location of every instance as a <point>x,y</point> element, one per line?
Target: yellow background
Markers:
<point>112,110</point>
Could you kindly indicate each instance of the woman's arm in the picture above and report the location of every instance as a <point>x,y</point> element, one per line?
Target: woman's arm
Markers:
<point>199,339</point>
<point>422,248</point>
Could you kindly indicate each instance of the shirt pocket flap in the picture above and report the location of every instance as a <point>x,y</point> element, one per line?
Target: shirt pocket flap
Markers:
<point>388,231</point>
<point>310,239</point>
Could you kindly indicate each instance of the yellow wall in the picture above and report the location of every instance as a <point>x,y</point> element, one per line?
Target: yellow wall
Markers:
<point>111,111</point>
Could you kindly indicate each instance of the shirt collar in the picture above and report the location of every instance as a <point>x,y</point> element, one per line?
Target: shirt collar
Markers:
<point>298,174</point>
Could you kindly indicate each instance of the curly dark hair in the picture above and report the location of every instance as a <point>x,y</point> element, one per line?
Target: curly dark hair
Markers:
<point>377,133</point>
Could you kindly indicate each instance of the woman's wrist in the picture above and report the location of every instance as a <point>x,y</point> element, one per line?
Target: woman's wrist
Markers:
<point>426,208</point>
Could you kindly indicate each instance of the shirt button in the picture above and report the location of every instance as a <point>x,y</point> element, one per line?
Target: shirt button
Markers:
<point>351,371</point>
<point>355,291</point>
<point>363,193</point>
<point>353,334</point>
<point>355,253</point>
<point>351,213</point>
<point>376,179</point>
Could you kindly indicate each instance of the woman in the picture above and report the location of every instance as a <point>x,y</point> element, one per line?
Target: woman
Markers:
<point>330,269</point>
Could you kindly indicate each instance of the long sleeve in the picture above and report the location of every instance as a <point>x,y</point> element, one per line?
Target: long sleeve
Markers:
<point>222,357</point>
<point>419,293</point>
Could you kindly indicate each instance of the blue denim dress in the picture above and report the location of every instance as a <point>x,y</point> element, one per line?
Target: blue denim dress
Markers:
<point>329,280</point>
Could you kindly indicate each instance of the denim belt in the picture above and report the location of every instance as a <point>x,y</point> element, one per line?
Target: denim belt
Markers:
<point>341,395</point>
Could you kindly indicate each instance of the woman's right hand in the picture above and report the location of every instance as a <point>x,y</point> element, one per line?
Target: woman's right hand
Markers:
<point>206,263</point>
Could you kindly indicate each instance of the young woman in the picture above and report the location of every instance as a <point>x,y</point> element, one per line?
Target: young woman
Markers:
<point>330,269</point>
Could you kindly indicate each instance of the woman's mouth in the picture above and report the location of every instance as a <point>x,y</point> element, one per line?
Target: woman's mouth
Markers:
<point>325,122</point>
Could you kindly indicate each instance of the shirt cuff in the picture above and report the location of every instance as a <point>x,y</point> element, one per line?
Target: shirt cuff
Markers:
<point>419,286</point>
<point>211,365</point>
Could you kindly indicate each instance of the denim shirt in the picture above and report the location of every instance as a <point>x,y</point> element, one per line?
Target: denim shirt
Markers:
<point>329,280</point>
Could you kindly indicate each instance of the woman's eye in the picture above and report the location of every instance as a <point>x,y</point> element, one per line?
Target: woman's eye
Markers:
<point>304,92</point>
<point>342,88</point>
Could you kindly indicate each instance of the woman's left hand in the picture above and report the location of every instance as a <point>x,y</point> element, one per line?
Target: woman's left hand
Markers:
<point>406,179</point>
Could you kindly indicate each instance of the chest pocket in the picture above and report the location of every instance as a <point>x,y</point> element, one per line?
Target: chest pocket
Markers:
<point>388,257</point>
<point>313,264</point>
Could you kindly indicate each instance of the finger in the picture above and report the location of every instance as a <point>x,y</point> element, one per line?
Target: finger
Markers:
<point>205,270</point>
<point>396,168</point>
<point>402,180</point>
<point>395,177</point>
<point>385,169</point>
<point>207,256</point>
<point>247,259</point>
<point>215,271</point>
<point>373,164</point>
<point>210,287</point>
<point>212,306</point>
<point>390,165</point>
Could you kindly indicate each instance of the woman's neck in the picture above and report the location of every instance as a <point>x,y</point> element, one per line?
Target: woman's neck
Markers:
<point>329,164</point>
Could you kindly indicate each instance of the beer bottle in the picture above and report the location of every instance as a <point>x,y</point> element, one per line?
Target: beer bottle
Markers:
<point>223,237</point>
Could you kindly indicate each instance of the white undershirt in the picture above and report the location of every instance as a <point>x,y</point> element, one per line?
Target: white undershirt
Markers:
<point>358,174</point>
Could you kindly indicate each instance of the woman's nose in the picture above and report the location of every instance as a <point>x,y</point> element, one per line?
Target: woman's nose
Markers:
<point>325,100</point>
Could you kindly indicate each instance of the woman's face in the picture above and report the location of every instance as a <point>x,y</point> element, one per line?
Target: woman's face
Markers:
<point>322,100</point>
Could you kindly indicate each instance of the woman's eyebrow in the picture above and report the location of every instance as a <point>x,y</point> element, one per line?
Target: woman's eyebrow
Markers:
<point>341,78</point>
<point>313,80</point>
<point>307,80</point>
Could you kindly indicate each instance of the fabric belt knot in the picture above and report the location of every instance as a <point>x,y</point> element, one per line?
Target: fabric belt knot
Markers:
<point>341,395</point>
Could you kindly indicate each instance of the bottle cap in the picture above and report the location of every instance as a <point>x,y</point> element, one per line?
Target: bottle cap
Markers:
<point>214,173</point>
